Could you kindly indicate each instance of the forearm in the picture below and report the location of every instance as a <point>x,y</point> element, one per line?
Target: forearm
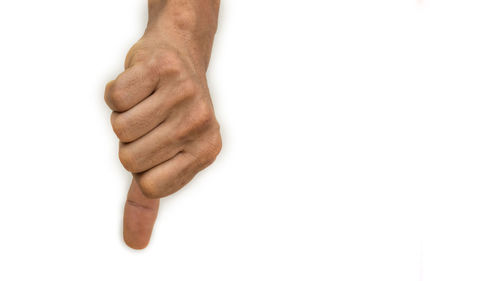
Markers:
<point>192,23</point>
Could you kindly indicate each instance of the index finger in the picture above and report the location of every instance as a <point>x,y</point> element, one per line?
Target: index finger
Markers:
<point>131,87</point>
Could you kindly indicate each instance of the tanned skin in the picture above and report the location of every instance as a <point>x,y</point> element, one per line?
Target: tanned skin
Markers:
<point>162,110</point>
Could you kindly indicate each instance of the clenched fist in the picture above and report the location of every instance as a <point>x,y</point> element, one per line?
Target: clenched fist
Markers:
<point>162,111</point>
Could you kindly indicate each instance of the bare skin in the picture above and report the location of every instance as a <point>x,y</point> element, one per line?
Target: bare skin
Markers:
<point>162,111</point>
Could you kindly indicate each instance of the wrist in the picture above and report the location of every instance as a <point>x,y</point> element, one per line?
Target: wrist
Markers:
<point>189,24</point>
<point>189,18</point>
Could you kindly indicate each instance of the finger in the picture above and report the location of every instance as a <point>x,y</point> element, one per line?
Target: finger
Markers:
<point>149,113</point>
<point>166,140</point>
<point>138,218</point>
<point>158,146</point>
<point>129,88</point>
<point>169,176</point>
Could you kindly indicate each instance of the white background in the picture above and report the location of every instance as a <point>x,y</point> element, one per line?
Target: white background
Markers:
<point>361,142</point>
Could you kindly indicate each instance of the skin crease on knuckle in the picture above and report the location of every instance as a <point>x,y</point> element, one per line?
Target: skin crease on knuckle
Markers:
<point>115,97</point>
<point>127,158</point>
<point>120,127</point>
<point>111,97</point>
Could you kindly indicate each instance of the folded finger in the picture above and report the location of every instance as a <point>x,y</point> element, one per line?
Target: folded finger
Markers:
<point>131,87</point>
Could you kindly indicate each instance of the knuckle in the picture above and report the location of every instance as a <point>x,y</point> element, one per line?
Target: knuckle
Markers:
<point>166,63</point>
<point>108,89</point>
<point>203,116</point>
<point>149,186</point>
<point>113,98</point>
<point>182,134</point>
<point>188,88</point>
<point>120,127</point>
<point>197,121</point>
<point>128,159</point>
<point>212,150</point>
<point>136,55</point>
<point>150,73</point>
<point>215,148</point>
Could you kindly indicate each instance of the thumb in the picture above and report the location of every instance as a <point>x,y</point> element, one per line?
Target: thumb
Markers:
<point>139,217</point>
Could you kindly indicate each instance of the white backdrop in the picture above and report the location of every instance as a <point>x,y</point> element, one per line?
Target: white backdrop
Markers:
<point>361,142</point>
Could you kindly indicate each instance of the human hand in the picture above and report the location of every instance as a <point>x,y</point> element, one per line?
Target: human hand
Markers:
<point>162,110</point>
